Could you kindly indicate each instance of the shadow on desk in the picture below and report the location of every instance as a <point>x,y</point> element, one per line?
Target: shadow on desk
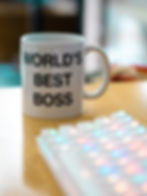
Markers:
<point>36,173</point>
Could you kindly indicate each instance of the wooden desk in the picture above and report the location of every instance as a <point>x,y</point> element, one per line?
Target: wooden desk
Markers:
<point>22,170</point>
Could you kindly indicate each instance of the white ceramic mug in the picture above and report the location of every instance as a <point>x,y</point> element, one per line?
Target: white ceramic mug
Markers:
<point>53,74</point>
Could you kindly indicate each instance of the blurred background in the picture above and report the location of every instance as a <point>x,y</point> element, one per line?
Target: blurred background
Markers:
<point>118,26</point>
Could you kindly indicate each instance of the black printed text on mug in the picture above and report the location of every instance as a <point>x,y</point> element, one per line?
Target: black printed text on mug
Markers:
<point>49,80</point>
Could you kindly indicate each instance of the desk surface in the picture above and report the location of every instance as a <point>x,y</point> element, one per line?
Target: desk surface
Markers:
<point>22,170</point>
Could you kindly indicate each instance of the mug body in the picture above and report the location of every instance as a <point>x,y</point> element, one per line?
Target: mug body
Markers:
<point>52,75</point>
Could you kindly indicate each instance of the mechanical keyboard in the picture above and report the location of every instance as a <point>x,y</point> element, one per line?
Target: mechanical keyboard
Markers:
<point>105,157</point>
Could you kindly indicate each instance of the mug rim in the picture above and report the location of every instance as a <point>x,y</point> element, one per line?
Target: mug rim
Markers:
<point>53,38</point>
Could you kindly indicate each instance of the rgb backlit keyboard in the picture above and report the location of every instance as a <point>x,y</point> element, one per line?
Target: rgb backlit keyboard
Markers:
<point>105,157</point>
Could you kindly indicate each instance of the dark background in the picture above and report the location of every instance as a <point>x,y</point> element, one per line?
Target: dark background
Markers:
<point>19,17</point>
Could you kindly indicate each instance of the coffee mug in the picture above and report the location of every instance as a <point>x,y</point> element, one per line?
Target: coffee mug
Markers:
<point>53,74</point>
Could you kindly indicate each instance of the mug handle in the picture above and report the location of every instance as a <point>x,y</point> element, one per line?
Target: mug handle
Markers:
<point>106,73</point>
